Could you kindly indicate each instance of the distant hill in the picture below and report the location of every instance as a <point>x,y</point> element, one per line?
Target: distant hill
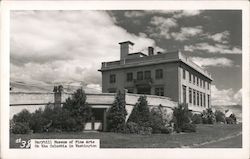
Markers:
<point>236,109</point>
<point>20,86</point>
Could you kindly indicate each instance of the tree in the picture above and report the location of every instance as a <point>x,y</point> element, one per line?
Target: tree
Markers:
<point>220,116</point>
<point>78,108</point>
<point>116,116</point>
<point>208,116</point>
<point>141,113</point>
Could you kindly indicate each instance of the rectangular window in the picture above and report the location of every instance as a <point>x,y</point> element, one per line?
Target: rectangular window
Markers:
<point>159,91</point>
<point>184,93</point>
<point>201,95</point>
<point>184,73</point>
<point>140,75</point>
<point>204,95</point>
<point>158,74</point>
<point>197,81</point>
<point>207,85</point>
<point>190,77</point>
<point>208,101</point>
<point>129,77</point>
<point>190,95</point>
<point>112,78</point>
<point>147,74</point>
<point>194,97</point>
<point>194,79</point>
<point>201,83</point>
<point>204,84</point>
<point>198,97</point>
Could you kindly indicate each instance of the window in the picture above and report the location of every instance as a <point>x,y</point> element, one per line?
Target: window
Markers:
<point>207,85</point>
<point>190,95</point>
<point>197,81</point>
<point>140,75</point>
<point>204,96</point>
<point>201,94</point>
<point>129,77</point>
<point>147,74</point>
<point>193,79</point>
<point>183,74</point>
<point>159,91</point>
<point>112,78</point>
<point>198,97</point>
<point>201,83</point>
<point>204,84</point>
<point>208,101</point>
<point>184,93</point>
<point>158,74</point>
<point>194,97</point>
<point>190,77</point>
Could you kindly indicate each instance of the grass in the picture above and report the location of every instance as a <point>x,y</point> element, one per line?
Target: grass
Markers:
<point>205,133</point>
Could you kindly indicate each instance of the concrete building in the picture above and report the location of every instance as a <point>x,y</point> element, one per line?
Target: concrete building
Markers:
<point>168,74</point>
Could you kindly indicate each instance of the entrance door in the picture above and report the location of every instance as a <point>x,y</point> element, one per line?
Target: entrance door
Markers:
<point>143,90</point>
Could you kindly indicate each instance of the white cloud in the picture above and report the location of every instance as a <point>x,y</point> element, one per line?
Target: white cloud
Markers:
<point>216,62</point>
<point>187,32</point>
<point>238,96</point>
<point>134,14</point>
<point>216,48</point>
<point>54,46</point>
<point>187,13</point>
<point>224,96</point>
<point>161,26</point>
<point>222,37</point>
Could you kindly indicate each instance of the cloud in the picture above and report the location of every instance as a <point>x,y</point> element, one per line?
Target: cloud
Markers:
<point>215,62</point>
<point>57,46</point>
<point>225,96</point>
<point>174,13</point>
<point>161,26</point>
<point>187,32</point>
<point>216,48</point>
<point>222,37</point>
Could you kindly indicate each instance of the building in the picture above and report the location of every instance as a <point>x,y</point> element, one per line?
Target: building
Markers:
<point>168,74</point>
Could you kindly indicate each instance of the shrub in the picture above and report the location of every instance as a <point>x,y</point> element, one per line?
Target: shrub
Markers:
<point>38,121</point>
<point>116,115</point>
<point>196,119</point>
<point>23,117</point>
<point>166,130</point>
<point>156,119</point>
<point>208,117</point>
<point>220,116</point>
<point>20,128</point>
<point>188,127</point>
<point>141,113</point>
<point>78,109</point>
<point>135,128</point>
<point>231,119</point>
<point>182,116</point>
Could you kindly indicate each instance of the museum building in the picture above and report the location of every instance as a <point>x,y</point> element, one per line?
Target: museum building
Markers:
<point>169,74</point>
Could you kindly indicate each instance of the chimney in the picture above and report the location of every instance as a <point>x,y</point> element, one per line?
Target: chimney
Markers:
<point>150,51</point>
<point>125,48</point>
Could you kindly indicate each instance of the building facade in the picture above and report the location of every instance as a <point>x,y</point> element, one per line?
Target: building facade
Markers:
<point>169,74</point>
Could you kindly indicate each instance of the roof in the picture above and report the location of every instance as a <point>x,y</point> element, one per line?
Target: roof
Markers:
<point>127,42</point>
<point>174,56</point>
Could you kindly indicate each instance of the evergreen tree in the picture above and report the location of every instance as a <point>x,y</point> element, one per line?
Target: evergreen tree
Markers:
<point>116,116</point>
<point>141,112</point>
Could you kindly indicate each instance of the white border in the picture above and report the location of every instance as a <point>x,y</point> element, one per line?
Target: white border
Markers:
<point>121,153</point>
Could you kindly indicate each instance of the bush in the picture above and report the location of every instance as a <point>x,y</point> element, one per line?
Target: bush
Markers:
<point>38,121</point>
<point>196,119</point>
<point>156,119</point>
<point>231,119</point>
<point>20,128</point>
<point>135,128</point>
<point>220,116</point>
<point>188,127</point>
<point>116,115</point>
<point>208,117</point>
<point>182,117</point>
<point>166,130</point>
<point>141,113</point>
<point>23,117</point>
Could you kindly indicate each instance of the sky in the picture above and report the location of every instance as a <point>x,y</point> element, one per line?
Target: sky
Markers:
<point>51,47</point>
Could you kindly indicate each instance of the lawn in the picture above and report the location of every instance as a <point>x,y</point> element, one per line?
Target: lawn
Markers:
<point>205,133</point>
